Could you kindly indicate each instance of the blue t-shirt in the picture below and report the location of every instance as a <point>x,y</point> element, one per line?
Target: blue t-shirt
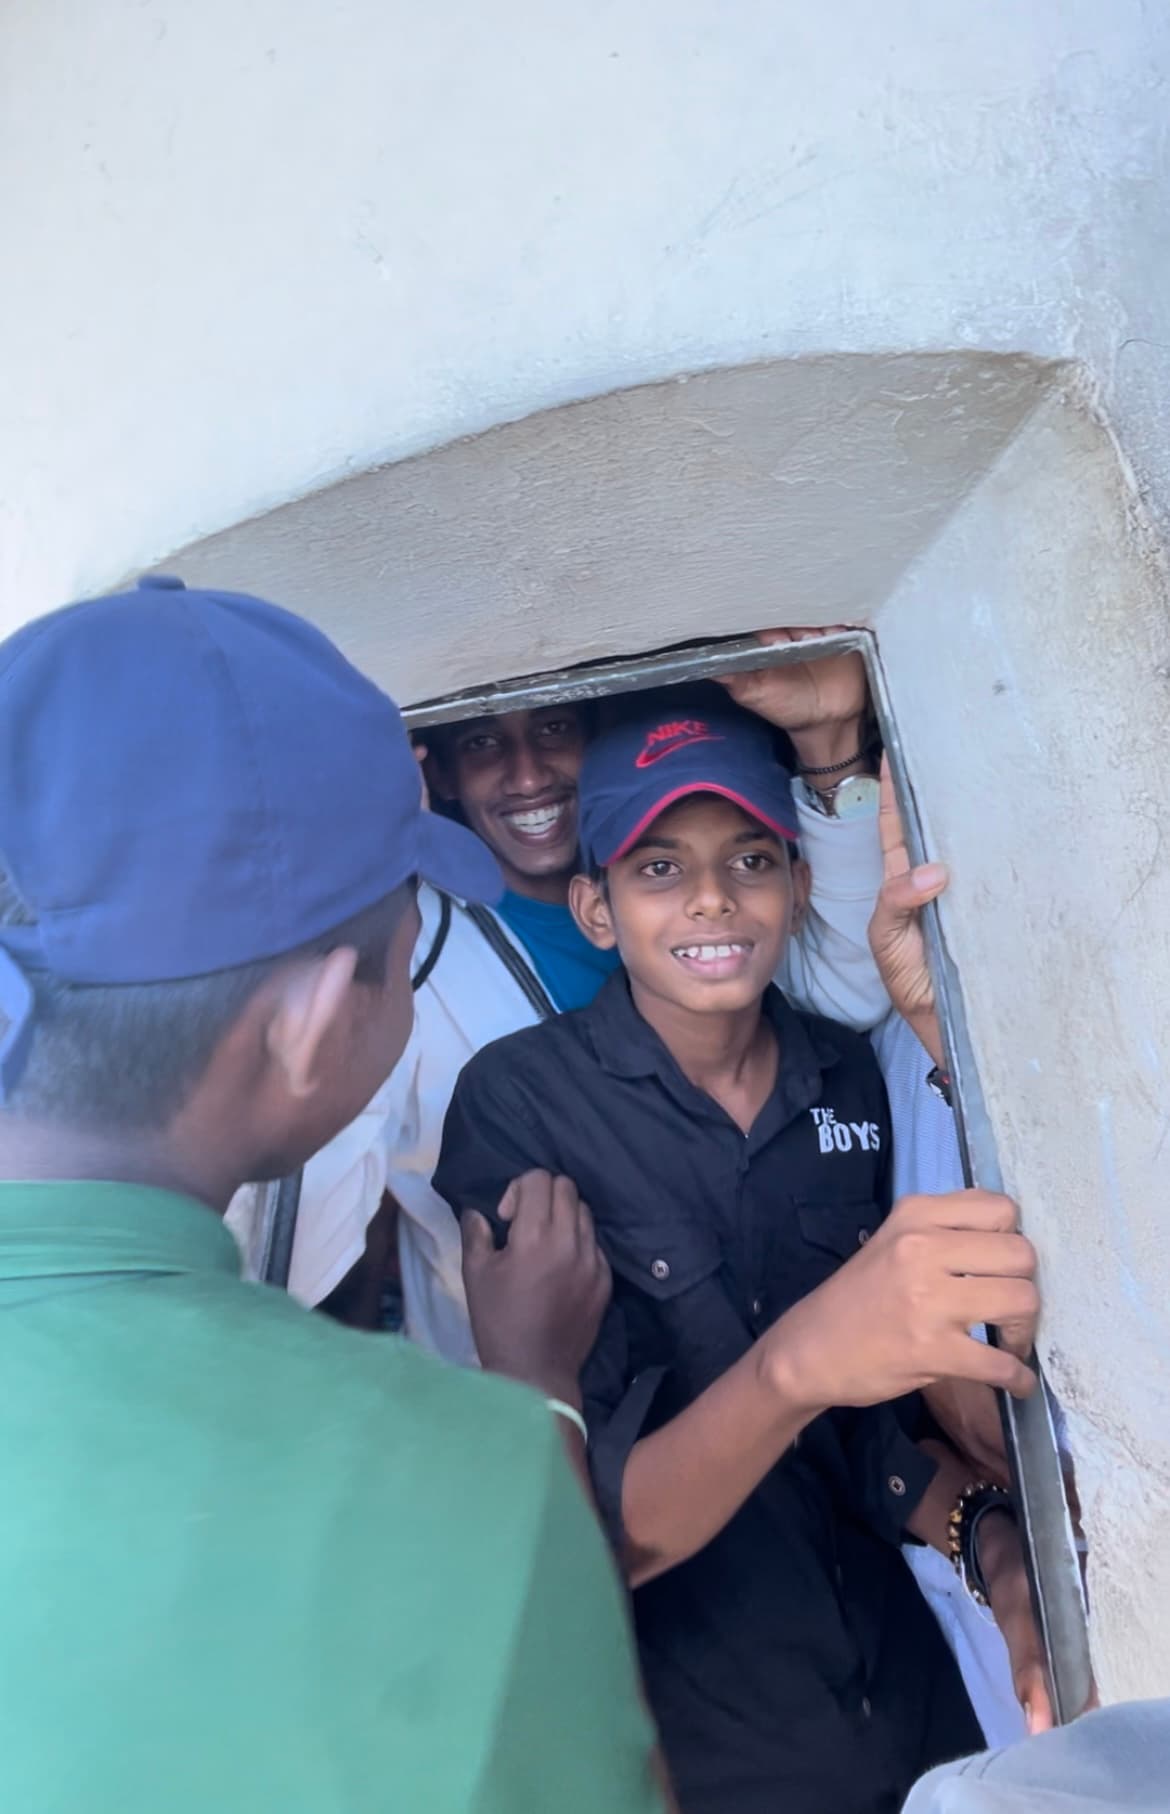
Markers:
<point>571,969</point>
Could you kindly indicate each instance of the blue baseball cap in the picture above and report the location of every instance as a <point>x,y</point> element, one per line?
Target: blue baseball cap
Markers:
<point>632,773</point>
<point>190,781</point>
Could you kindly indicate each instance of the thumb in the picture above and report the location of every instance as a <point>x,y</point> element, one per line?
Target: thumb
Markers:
<point>476,1233</point>
<point>928,881</point>
<point>902,896</point>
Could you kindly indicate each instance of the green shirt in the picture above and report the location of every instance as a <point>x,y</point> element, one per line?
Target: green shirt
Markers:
<point>255,1563</point>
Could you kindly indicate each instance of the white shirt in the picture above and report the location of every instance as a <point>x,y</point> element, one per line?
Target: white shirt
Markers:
<point>1115,1759</point>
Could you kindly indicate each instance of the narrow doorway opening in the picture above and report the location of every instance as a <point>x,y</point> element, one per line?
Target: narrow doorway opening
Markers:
<point>1029,1426</point>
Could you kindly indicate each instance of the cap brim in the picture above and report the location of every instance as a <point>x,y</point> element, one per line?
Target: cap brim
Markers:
<point>775,821</point>
<point>452,858</point>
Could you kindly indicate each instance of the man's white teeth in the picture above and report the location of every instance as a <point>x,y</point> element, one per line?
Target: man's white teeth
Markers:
<point>541,818</point>
<point>707,954</point>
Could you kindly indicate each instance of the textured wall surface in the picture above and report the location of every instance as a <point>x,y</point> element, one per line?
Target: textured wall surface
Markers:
<point>1029,660</point>
<point>796,491</point>
<point>253,248</point>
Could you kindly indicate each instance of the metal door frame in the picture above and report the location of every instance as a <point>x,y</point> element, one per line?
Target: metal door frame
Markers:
<point>1033,1452</point>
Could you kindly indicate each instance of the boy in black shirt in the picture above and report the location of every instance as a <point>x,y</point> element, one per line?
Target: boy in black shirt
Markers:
<point>736,1155</point>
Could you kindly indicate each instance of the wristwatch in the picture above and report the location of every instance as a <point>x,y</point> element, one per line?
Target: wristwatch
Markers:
<point>856,797</point>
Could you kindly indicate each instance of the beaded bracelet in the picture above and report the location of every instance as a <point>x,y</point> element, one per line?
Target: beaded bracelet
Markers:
<point>964,1519</point>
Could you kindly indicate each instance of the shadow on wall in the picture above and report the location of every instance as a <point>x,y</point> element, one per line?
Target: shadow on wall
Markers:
<point>796,491</point>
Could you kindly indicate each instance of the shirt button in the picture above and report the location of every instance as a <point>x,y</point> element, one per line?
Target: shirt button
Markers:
<point>862,1236</point>
<point>896,1485</point>
<point>866,1706</point>
<point>660,1269</point>
<point>757,1306</point>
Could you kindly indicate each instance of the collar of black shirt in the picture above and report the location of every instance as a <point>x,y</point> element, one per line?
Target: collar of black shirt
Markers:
<point>627,1046</point>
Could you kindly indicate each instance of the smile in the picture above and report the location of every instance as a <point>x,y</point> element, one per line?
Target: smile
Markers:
<point>538,823</point>
<point>725,959</point>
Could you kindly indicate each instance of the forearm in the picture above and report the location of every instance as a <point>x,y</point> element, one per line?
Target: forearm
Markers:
<point>968,1416</point>
<point>929,1521</point>
<point>684,1482</point>
<point>829,967</point>
<point>576,1452</point>
<point>837,743</point>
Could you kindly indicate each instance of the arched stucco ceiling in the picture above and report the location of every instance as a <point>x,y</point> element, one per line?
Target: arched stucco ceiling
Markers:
<point>790,492</point>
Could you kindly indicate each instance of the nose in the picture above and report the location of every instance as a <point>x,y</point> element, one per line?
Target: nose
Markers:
<point>710,897</point>
<point>528,773</point>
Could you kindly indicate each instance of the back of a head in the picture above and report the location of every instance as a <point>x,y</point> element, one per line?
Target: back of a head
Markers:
<point>195,785</point>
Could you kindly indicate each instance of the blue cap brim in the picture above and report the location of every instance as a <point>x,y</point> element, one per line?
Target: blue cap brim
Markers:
<point>453,859</point>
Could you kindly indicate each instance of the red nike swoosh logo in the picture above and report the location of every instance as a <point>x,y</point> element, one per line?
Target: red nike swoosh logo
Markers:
<point>656,754</point>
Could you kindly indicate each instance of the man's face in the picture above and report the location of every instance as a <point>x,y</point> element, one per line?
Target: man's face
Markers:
<point>368,1036</point>
<point>330,1043</point>
<point>389,1020</point>
<point>701,909</point>
<point>515,778</point>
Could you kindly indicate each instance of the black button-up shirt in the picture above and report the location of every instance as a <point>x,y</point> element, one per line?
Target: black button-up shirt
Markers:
<point>792,1664</point>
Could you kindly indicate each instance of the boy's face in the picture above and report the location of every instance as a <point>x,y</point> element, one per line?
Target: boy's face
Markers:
<point>382,1022</point>
<point>701,909</point>
<point>515,777</point>
<point>366,1033</point>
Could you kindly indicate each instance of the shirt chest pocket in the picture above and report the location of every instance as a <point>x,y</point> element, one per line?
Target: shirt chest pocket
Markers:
<point>665,1263</point>
<point>832,1232</point>
<point>670,1287</point>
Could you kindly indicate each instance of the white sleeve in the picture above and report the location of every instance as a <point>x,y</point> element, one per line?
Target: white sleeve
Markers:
<point>927,1160</point>
<point>343,1184</point>
<point>1117,1757</point>
<point>829,968</point>
<point>341,1191</point>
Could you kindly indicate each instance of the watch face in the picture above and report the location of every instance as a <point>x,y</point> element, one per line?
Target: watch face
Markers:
<point>856,797</point>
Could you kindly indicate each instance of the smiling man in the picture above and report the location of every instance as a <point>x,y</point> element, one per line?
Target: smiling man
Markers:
<point>514,778</point>
<point>480,974</point>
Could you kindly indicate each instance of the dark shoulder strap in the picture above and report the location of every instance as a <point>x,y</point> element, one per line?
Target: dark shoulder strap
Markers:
<point>513,960</point>
<point>439,940</point>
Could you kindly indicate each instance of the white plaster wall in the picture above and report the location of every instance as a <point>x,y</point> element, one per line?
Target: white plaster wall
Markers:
<point>795,491</point>
<point>1029,658</point>
<point>250,248</point>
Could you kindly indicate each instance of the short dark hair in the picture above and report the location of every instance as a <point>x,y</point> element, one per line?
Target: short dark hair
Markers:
<point>127,1055</point>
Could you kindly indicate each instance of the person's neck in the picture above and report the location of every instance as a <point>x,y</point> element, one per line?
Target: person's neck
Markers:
<point>40,1152</point>
<point>552,890</point>
<point>713,1051</point>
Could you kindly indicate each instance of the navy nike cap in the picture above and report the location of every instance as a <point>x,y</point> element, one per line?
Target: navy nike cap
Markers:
<point>190,781</point>
<point>632,773</point>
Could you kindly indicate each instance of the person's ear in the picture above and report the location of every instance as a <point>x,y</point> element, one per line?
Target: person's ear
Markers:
<point>439,778</point>
<point>801,890</point>
<point>310,1016</point>
<point>590,909</point>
